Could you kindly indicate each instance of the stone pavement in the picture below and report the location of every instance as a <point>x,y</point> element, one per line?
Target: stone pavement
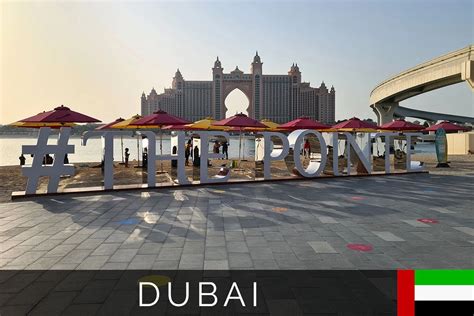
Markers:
<point>280,225</point>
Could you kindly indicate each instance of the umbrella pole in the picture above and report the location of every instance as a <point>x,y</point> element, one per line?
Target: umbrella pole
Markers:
<point>161,148</point>
<point>121,147</point>
<point>240,143</point>
<point>138,152</point>
<point>243,150</point>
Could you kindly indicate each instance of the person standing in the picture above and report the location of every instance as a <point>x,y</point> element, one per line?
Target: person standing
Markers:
<point>127,156</point>
<point>196,158</point>
<point>187,152</point>
<point>22,160</point>
<point>225,149</point>
<point>217,147</point>
<point>307,148</point>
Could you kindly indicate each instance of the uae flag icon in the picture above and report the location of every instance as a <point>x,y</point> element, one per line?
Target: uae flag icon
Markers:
<point>431,292</point>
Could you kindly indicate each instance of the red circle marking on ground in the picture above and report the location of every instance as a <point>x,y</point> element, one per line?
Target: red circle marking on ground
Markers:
<point>360,247</point>
<point>428,220</point>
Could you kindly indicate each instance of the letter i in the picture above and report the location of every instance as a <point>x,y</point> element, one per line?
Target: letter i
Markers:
<point>254,294</point>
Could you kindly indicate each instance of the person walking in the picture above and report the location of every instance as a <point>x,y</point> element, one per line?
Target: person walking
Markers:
<point>127,156</point>
<point>225,150</point>
<point>307,148</point>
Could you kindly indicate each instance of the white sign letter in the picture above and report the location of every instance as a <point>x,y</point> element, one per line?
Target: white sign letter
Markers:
<point>152,157</point>
<point>108,153</point>
<point>205,155</point>
<point>409,152</point>
<point>170,296</point>
<point>314,168</point>
<point>271,154</point>
<point>238,297</point>
<point>364,158</point>
<point>387,137</point>
<point>201,294</point>
<point>140,293</point>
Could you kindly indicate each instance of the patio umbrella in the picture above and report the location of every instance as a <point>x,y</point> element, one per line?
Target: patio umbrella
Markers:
<point>355,125</point>
<point>159,119</point>
<point>126,124</point>
<point>61,114</point>
<point>304,122</point>
<point>176,128</point>
<point>39,125</point>
<point>401,125</point>
<point>109,126</point>
<point>447,126</point>
<point>269,126</point>
<point>206,124</point>
<point>240,121</point>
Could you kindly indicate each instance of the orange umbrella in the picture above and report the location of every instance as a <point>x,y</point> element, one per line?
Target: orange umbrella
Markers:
<point>126,124</point>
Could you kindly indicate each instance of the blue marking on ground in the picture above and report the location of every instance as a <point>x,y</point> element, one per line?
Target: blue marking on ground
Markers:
<point>128,221</point>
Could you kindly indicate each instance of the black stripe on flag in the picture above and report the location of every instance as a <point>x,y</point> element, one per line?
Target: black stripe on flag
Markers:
<point>431,308</point>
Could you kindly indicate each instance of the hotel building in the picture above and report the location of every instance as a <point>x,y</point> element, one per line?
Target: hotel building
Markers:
<point>280,98</point>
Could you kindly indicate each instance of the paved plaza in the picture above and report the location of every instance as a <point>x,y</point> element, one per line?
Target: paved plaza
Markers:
<point>405,221</point>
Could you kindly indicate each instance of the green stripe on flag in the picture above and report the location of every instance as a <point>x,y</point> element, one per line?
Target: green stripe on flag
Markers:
<point>444,277</point>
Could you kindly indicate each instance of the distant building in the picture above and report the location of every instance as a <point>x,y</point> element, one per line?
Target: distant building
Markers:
<point>279,98</point>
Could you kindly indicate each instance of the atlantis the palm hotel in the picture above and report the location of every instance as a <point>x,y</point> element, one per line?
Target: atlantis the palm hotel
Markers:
<point>279,98</point>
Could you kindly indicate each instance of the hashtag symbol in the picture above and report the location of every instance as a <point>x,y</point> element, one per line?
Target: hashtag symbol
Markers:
<point>54,171</point>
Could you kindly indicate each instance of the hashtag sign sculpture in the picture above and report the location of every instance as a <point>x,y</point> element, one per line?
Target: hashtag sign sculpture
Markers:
<point>54,171</point>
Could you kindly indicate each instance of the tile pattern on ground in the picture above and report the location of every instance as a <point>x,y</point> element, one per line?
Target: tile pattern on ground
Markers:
<point>237,227</point>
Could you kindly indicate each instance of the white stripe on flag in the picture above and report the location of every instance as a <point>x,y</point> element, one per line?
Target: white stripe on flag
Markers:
<point>444,292</point>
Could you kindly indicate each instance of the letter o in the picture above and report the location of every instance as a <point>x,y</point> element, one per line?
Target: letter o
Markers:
<point>311,171</point>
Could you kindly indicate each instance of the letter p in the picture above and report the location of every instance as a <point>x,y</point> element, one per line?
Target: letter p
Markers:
<point>271,154</point>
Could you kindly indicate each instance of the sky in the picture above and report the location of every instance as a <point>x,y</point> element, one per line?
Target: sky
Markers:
<point>98,57</point>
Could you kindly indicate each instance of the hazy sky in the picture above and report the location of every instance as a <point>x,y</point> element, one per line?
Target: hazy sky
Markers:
<point>98,57</point>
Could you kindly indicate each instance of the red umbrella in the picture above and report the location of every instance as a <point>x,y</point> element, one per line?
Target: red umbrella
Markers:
<point>180,127</point>
<point>356,125</point>
<point>61,114</point>
<point>160,118</point>
<point>110,126</point>
<point>304,122</point>
<point>157,120</point>
<point>401,125</point>
<point>240,121</point>
<point>447,126</point>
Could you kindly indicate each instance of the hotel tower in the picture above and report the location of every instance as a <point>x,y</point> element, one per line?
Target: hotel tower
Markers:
<point>279,98</point>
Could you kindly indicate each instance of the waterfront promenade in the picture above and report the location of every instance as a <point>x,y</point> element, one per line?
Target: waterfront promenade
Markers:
<point>404,221</point>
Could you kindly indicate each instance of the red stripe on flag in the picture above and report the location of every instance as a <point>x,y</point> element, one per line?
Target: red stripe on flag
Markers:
<point>406,292</point>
